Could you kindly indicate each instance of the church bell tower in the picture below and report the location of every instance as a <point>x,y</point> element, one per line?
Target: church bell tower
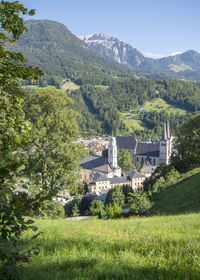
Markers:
<point>112,152</point>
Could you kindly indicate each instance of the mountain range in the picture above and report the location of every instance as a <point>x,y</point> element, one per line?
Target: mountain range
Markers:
<point>185,65</point>
<point>51,46</point>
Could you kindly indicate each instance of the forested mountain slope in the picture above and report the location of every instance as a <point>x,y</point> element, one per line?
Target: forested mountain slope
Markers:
<point>59,54</point>
<point>106,89</point>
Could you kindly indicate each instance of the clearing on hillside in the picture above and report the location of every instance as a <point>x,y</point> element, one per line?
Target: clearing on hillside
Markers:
<point>68,85</point>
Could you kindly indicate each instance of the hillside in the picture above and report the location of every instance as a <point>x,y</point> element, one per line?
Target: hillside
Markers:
<point>151,248</point>
<point>185,65</point>
<point>102,89</point>
<point>58,53</point>
<point>181,198</point>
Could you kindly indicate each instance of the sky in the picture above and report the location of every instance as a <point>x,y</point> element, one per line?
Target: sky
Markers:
<point>156,28</point>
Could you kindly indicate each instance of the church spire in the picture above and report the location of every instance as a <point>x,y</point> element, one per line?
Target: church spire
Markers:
<point>164,132</point>
<point>168,130</point>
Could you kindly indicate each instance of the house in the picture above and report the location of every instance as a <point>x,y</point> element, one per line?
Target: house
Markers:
<point>100,184</point>
<point>147,171</point>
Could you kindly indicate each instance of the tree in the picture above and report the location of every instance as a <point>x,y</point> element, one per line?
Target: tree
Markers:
<point>115,195</point>
<point>75,211</point>
<point>187,146</point>
<point>113,210</point>
<point>139,203</point>
<point>53,157</point>
<point>125,161</point>
<point>14,131</point>
<point>97,208</point>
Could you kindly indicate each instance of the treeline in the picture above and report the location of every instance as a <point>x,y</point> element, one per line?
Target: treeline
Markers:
<point>100,106</point>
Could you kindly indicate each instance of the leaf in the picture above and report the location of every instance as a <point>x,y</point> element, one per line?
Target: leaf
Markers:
<point>29,222</point>
<point>34,228</point>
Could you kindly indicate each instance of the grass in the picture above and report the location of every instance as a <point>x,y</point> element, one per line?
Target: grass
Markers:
<point>68,85</point>
<point>151,248</point>
<point>134,125</point>
<point>100,86</point>
<point>183,197</point>
<point>179,68</point>
<point>156,104</point>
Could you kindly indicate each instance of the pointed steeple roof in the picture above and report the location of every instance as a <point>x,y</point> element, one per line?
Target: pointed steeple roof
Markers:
<point>164,137</point>
<point>168,130</point>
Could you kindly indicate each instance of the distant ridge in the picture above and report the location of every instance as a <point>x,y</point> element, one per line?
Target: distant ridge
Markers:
<point>185,65</point>
<point>57,52</point>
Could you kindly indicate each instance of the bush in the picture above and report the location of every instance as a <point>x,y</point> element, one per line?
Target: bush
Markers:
<point>113,210</point>
<point>139,203</point>
<point>115,195</point>
<point>85,204</point>
<point>97,208</point>
<point>75,211</point>
<point>51,209</point>
<point>69,207</point>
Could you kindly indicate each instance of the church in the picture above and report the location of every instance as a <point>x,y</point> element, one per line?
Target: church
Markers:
<point>103,173</point>
<point>152,154</point>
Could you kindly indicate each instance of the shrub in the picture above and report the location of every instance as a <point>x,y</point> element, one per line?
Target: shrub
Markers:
<point>113,210</point>
<point>69,207</point>
<point>85,204</point>
<point>97,207</point>
<point>51,209</point>
<point>75,211</point>
<point>115,195</point>
<point>139,203</point>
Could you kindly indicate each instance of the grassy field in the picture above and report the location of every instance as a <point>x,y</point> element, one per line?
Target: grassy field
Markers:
<point>166,248</point>
<point>69,86</point>
<point>181,198</point>
<point>156,104</point>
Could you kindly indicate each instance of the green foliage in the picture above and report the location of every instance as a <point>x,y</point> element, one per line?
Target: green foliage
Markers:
<point>85,204</point>
<point>113,211</point>
<point>163,182</point>
<point>126,191</point>
<point>97,208</point>
<point>187,155</point>
<point>14,132</point>
<point>75,211</point>
<point>139,203</point>
<point>69,207</point>
<point>125,161</point>
<point>52,156</point>
<point>182,197</point>
<point>60,54</point>
<point>51,209</point>
<point>115,195</point>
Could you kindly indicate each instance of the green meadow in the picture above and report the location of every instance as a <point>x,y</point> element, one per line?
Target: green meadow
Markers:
<point>160,247</point>
<point>156,104</point>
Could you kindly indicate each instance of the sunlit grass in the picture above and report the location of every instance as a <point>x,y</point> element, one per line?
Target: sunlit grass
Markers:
<point>140,248</point>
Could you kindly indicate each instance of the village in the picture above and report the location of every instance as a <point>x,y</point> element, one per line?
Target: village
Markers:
<point>103,172</point>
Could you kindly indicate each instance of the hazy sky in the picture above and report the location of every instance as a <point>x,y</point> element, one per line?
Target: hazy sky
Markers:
<point>154,27</point>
